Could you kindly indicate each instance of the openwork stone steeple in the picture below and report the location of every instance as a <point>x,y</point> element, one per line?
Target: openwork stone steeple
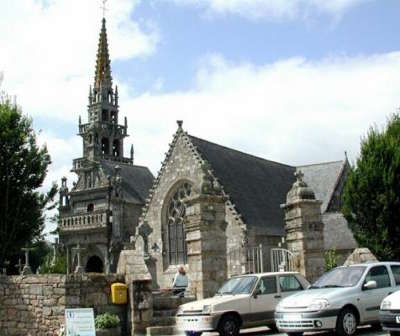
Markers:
<point>103,136</point>
<point>103,77</point>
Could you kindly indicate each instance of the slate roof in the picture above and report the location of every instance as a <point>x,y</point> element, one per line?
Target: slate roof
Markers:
<point>337,234</point>
<point>136,180</point>
<point>323,178</point>
<point>256,186</point>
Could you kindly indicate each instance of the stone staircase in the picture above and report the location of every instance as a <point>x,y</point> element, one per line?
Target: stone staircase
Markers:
<point>164,310</point>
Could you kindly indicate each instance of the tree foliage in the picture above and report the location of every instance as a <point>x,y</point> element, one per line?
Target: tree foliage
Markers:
<point>23,167</point>
<point>371,199</point>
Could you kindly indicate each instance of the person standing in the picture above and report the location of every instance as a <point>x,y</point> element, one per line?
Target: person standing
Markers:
<point>180,282</point>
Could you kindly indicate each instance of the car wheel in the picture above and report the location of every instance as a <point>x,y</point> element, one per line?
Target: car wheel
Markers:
<point>295,334</point>
<point>272,327</point>
<point>228,326</point>
<point>346,324</point>
<point>394,333</point>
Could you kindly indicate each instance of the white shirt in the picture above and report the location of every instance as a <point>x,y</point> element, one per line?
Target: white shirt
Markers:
<point>180,280</point>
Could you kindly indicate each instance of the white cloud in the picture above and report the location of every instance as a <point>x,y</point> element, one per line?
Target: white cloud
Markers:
<point>49,50</point>
<point>273,9</point>
<point>293,111</point>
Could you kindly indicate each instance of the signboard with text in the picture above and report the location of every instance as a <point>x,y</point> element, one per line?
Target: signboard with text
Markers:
<point>79,322</point>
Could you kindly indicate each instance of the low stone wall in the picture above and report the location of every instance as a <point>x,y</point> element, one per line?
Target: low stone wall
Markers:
<point>34,305</point>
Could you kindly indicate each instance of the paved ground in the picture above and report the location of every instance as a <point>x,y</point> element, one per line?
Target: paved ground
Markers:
<point>362,331</point>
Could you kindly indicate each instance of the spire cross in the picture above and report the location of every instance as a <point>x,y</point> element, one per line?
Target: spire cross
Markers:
<point>103,7</point>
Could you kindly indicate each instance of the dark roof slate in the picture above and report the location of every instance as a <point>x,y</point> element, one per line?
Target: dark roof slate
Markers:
<point>256,186</point>
<point>136,180</point>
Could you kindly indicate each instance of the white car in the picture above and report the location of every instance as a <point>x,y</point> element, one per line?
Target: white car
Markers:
<point>243,301</point>
<point>390,312</point>
<point>340,299</point>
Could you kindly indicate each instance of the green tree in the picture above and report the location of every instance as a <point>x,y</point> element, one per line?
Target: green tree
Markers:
<point>371,198</point>
<point>23,167</point>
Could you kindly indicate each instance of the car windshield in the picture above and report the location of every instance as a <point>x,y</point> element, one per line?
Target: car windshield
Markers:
<point>340,277</point>
<point>238,285</point>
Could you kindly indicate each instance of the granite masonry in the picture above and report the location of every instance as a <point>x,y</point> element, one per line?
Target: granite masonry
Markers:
<point>34,305</point>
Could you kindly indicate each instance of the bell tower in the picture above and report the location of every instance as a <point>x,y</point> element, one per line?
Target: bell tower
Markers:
<point>103,137</point>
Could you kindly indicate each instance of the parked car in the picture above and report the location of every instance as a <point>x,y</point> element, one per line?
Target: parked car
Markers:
<point>242,301</point>
<point>340,299</point>
<point>390,311</point>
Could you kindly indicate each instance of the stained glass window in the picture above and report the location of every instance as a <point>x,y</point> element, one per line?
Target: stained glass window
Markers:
<point>176,234</point>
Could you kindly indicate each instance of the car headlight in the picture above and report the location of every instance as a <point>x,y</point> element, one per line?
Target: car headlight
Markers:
<point>207,309</point>
<point>386,304</point>
<point>318,304</point>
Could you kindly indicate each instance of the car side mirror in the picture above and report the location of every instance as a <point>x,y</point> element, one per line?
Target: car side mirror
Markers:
<point>370,285</point>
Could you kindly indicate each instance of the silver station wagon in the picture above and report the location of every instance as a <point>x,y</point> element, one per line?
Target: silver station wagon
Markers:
<point>341,299</point>
<point>242,302</point>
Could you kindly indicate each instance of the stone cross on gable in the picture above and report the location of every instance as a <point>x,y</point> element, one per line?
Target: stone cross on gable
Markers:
<point>299,175</point>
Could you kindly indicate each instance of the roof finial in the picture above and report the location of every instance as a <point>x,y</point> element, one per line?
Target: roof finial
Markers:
<point>179,122</point>
<point>104,8</point>
<point>299,175</point>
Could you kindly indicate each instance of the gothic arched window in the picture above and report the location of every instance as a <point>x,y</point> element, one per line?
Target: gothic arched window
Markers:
<point>176,235</point>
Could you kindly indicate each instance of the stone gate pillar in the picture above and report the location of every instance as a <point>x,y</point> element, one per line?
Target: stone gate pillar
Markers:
<point>304,229</point>
<point>206,243</point>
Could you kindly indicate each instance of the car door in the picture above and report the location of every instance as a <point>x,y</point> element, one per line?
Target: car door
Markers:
<point>396,276</point>
<point>264,300</point>
<point>288,284</point>
<point>371,298</point>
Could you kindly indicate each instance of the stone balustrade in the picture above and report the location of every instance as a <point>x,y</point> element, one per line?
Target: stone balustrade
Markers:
<point>84,221</point>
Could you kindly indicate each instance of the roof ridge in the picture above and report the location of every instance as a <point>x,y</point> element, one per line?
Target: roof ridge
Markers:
<point>241,152</point>
<point>319,163</point>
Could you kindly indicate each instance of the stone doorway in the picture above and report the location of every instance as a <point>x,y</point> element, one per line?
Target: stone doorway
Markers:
<point>94,265</point>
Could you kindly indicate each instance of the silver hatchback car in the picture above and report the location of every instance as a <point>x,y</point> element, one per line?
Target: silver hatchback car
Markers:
<point>340,299</point>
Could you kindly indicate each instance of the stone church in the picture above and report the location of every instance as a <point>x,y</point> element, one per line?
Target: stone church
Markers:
<point>212,208</point>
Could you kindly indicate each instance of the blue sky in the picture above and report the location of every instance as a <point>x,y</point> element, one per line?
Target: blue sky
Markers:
<point>296,81</point>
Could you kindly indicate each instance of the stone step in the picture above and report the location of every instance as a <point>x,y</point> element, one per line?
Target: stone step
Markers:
<point>164,312</point>
<point>163,321</point>
<point>161,331</point>
<point>170,302</point>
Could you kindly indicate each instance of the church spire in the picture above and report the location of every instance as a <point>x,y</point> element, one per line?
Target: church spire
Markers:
<point>103,69</point>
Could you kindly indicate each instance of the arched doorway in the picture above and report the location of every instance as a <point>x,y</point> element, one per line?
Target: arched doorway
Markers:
<point>94,265</point>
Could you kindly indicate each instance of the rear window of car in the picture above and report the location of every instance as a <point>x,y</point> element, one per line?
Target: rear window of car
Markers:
<point>396,273</point>
<point>289,283</point>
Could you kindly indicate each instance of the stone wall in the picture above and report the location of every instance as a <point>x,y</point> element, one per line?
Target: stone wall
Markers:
<point>34,305</point>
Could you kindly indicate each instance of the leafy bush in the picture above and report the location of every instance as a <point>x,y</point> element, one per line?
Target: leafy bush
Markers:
<point>59,267</point>
<point>330,259</point>
<point>106,321</point>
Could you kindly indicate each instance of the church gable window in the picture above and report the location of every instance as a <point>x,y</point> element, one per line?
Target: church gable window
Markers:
<point>175,216</point>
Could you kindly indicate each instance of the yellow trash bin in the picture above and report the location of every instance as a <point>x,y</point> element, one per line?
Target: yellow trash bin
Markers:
<point>119,293</point>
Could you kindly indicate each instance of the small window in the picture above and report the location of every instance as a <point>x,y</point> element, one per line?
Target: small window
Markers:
<point>90,207</point>
<point>289,283</point>
<point>396,274</point>
<point>266,285</point>
<point>379,274</point>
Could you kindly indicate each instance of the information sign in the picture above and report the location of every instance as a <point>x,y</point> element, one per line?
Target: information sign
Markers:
<point>79,322</point>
